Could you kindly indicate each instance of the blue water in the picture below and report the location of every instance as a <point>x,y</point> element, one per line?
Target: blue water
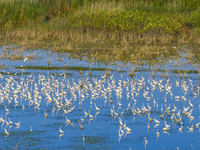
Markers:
<point>102,131</point>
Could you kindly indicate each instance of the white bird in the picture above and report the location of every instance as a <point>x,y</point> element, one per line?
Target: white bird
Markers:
<point>175,108</point>
<point>81,126</point>
<point>46,115</point>
<point>120,121</point>
<point>6,132</point>
<point>1,119</point>
<point>61,131</point>
<point>180,129</point>
<point>82,120</point>
<point>90,115</point>
<point>190,103</point>
<point>17,124</point>
<point>10,122</point>
<point>191,128</point>
<point>157,133</point>
<point>156,121</point>
<point>7,110</point>
<point>83,138</point>
<point>168,126</point>
<point>69,121</point>
<point>85,113</point>
<point>7,123</point>
<point>145,141</point>
<point>26,59</point>
<point>128,129</point>
<point>96,107</point>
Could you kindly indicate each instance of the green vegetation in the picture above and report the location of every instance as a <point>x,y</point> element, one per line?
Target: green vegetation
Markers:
<point>109,18</point>
<point>61,68</point>
<point>106,29</point>
<point>184,71</point>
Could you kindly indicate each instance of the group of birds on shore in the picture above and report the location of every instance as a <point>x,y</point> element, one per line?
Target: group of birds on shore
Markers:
<point>137,96</point>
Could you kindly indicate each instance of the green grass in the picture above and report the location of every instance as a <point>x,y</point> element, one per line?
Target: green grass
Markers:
<point>139,16</point>
<point>119,21</point>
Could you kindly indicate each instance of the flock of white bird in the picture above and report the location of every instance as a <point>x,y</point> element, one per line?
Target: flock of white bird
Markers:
<point>64,94</point>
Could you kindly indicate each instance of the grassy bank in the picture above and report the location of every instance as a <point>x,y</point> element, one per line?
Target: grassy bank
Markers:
<point>101,20</point>
<point>107,27</point>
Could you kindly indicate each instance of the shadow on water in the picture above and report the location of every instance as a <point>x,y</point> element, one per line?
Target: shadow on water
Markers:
<point>90,142</point>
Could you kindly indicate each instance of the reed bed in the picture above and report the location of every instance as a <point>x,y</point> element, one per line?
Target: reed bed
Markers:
<point>107,28</point>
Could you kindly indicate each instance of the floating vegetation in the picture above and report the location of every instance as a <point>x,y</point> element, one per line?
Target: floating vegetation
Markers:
<point>62,68</point>
<point>184,71</point>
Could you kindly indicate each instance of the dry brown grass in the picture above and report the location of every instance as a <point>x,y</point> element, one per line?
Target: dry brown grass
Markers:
<point>66,39</point>
<point>100,45</point>
<point>153,75</point>
<point>2,66</point>
<point>31,56</point>
<point>107,73</point>
<point>166,75</point>
<point>131,73</point>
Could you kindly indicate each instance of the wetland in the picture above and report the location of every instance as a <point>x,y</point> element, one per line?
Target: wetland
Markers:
<point>87,104</point>
<point>99,74</point>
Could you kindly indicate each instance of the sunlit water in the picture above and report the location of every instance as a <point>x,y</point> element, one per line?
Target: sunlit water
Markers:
<point>123,102</point>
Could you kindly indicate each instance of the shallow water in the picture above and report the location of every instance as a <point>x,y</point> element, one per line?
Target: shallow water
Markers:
<point>26,93</point>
